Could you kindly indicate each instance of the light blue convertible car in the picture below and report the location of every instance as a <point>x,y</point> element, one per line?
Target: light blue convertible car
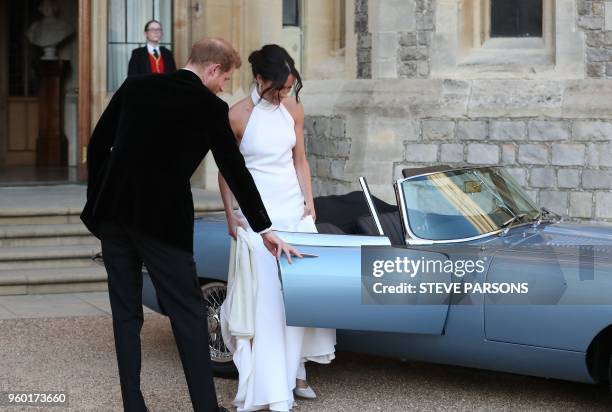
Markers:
<point>562,330</point>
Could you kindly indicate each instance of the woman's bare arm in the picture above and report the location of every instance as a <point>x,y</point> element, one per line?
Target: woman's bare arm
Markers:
<point>299,154</point>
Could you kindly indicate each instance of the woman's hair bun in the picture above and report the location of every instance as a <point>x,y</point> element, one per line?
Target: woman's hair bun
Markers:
<point>255,57</point>
<point>273,63</point>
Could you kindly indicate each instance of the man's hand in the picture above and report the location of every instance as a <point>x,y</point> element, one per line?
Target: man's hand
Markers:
<point>277,247</point>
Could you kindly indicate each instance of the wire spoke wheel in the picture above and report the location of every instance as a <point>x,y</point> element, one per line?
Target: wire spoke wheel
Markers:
<point>214,294</point>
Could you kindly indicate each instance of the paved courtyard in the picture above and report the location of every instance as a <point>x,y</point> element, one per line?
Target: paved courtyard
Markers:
<point>64,342</point>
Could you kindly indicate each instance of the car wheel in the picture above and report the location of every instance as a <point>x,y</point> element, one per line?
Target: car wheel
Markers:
<point>221,358</point>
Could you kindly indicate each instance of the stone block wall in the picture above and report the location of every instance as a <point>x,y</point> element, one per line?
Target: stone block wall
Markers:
<point>413,46</point>
<point>364,40</point>
<point>553,133</point>
<point>328,149</point>
<point>595,19</point>
<point>564,164</point>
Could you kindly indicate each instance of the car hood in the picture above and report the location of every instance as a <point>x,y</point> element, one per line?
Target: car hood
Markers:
<point>576,256</point>
<point>566,239</point>
<point>571,235</point>
<point>576,234</point>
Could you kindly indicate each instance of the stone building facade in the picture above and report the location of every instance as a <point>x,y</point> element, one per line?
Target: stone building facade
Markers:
<point>390,84</point>
<point>432,85</point>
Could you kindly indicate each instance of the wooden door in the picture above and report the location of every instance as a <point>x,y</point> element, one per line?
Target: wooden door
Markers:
<point>22,131</point>
<point>21,110</point>
<point>3,79</point>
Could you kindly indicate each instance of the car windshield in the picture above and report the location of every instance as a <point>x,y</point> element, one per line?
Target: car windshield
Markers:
<point>465,203</point>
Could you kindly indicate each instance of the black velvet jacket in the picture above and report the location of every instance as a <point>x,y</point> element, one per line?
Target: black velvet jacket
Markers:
<point>148,142</point>
<point>140,63</point>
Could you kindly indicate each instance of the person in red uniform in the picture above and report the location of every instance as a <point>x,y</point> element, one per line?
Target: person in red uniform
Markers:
<point>151,58</point>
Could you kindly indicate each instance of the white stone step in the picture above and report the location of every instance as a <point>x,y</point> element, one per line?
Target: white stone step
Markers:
<point>55,280</point>
<point>14,231</point>
<point>46,235</point>
<point>34,257</point>
<point>38,219</point>
<point>47,252</point>
<point>49,241</point>
<point>44,247</point>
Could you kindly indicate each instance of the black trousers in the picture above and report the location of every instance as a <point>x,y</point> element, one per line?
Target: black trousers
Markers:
<point>173,273</point>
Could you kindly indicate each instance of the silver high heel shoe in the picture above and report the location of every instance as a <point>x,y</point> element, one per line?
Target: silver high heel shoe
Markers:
<point>306,392</point>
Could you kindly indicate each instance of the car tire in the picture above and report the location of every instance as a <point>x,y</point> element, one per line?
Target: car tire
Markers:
<point>214,294</point>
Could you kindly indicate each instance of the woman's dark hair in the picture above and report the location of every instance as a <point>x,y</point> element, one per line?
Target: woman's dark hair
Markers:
<point>273,63</point>
<point>149,23</point>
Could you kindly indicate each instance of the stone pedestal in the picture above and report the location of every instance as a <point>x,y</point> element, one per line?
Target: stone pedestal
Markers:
<point>51,145</point>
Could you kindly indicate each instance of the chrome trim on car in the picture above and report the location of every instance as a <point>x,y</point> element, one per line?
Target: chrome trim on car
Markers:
<point>368,196</point>
<point>449,170</point>
<point>330,240</point>
<point>403,215</point>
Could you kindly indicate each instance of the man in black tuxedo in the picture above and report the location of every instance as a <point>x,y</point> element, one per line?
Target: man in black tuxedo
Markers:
<point>151,58</point>
<point>148,142</point>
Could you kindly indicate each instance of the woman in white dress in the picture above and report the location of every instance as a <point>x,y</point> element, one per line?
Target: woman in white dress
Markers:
<point>269,128</point>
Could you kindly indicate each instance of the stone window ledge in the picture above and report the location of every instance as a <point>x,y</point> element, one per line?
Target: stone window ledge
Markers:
<point>516,57</point>
<point>511,43</point>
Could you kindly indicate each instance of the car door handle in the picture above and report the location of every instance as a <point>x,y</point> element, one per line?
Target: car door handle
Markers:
<point>309,255</point>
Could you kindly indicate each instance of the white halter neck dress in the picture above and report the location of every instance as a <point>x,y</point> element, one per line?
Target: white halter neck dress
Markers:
<point>269,366</point>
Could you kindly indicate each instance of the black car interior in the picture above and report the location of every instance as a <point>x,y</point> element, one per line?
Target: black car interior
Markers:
<point>349,214</point>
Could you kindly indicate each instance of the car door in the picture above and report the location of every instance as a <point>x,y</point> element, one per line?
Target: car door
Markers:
<point>326,290</point>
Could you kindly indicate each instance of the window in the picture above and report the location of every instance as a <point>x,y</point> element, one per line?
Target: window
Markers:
<point>126,21</point>
<point>292,36</point>
<point>340,18</point>
<point>291,13</point>
<point>516,18</point>
<point>474,42</point>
